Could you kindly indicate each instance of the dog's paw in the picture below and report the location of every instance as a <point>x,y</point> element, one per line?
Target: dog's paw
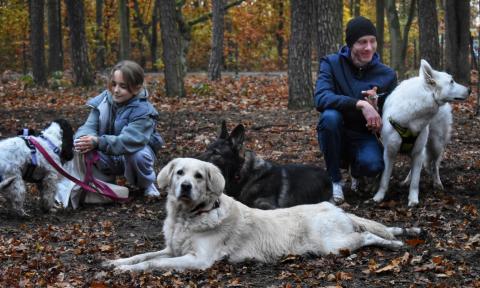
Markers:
<point>127,268</point>
<point>378,198</point>
<point>108,263</point>
<point>438,186</point>
<point>121,268</point>
<point>412,203</point>
<point>395,245</point>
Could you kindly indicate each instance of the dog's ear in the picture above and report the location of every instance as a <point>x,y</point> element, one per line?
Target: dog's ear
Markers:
<point>215,180</point>
<point>237,136</point>
<point>223,133</point>
<point>164,176</point>
<point>427,72</point>
<point>67,139</point>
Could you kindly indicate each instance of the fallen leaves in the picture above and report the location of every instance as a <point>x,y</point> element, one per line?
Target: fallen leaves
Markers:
<point>66,249</point>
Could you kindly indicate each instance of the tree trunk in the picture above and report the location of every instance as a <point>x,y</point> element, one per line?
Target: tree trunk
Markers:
<point>216,57</point>
<point>154,35</point>
<point>395,36</point>
<point>278,6</point>
<point>380,7</point>
<point>428,32</point>
<point>78,43</point>
<point>355,7</point>
<point>300,87</point>
<point>172,49</point>
<point>37,40</point>
<point>55,50</point>
<point>100,49</point>
<point>329,26</point>
<point>124,30</point>
<point>406,32</point>
<point>457,35</point>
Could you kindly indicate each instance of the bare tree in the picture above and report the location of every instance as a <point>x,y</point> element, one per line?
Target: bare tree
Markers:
<point>428,30</point>
<point>355,7</point>
<point>399,46</point>
<point>328,26</point>
<point>124,30</point>
<point>173,56</point>
<point>37,40</point>
<point>78,43</point>
<point>380,7</point>
<point>154,35</point>
<point>176,34</point>
<point>457,17</point>
<point>216,56</point>
<point>300,87</point>
<point>55,49</point>
<point>99,39</point>
<point>278,6</point>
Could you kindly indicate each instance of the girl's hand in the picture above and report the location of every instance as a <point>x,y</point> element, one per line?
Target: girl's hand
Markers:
<point>85,143</point>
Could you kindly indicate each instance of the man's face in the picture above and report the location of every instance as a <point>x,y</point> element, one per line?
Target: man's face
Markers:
<point>363,49</point>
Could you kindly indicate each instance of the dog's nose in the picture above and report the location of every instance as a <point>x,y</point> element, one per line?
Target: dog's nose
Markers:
<point>186,187</point>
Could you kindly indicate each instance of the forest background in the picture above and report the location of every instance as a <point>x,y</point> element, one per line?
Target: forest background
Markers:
<point>61,43</point>
<point>249,62</point>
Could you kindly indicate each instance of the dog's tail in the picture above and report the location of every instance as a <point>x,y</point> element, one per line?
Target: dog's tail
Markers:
<point>382,230</point>
<point>6,182</point>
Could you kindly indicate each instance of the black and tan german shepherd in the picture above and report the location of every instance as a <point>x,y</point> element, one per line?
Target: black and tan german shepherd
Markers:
<point>260,183</point>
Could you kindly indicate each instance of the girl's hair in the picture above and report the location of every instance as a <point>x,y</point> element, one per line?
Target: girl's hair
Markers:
<point>133,74</point>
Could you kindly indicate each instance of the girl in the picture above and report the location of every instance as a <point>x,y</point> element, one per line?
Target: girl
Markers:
<point>121,127</point>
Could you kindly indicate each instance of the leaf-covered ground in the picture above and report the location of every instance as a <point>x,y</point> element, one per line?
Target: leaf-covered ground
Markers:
<point>65,249</point>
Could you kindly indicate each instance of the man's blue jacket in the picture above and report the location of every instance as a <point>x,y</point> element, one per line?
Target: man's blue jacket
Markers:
<point>339,85</point>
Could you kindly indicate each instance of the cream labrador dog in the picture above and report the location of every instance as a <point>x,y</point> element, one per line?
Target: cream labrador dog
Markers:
<point>203,225</point>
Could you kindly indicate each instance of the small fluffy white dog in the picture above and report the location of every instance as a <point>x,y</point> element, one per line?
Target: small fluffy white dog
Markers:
<point>203,225</point>
<point>418,105</point>
<point>15,157</point>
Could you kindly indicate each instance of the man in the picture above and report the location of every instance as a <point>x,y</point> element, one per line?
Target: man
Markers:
<point>346,95</point>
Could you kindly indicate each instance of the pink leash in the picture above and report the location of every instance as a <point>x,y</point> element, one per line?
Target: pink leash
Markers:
<point>90,159</point>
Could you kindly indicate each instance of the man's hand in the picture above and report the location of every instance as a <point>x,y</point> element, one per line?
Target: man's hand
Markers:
<point>85,143</point>
<point>374,121</point>
<point>371,97</point>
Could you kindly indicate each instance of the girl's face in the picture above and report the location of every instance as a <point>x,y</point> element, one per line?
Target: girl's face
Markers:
<point>120,89</point>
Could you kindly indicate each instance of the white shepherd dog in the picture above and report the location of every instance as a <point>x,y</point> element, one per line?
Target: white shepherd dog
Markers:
<point>203,225</point>
<point>418,105</point>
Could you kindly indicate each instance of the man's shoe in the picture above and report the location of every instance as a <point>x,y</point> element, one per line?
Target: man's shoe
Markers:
<point>337,193</point>
<point>151,191</point>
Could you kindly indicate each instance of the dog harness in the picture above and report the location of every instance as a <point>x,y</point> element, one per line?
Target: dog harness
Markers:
<point>28,174</point>
<point>29,171</point>
<point>408,137</point>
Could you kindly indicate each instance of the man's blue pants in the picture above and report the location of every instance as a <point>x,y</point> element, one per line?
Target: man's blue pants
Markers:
<point>362,151</point>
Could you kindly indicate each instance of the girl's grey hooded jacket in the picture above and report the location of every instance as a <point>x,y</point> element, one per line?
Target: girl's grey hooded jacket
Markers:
<point>122,128</point>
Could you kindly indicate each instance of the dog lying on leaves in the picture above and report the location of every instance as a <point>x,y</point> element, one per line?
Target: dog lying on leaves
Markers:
<point>20,163</point>
<point>262,184</point>
<point>203,225</point>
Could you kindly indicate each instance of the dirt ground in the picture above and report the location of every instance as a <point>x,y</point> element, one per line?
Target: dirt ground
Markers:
<point>65,249</point>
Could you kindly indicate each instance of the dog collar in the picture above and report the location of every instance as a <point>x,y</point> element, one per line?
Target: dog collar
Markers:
<point>199,208</point>
<point>408,137</point>
<point>51,145</point>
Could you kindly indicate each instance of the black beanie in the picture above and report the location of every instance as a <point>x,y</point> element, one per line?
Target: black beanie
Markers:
<point>357,28</point>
